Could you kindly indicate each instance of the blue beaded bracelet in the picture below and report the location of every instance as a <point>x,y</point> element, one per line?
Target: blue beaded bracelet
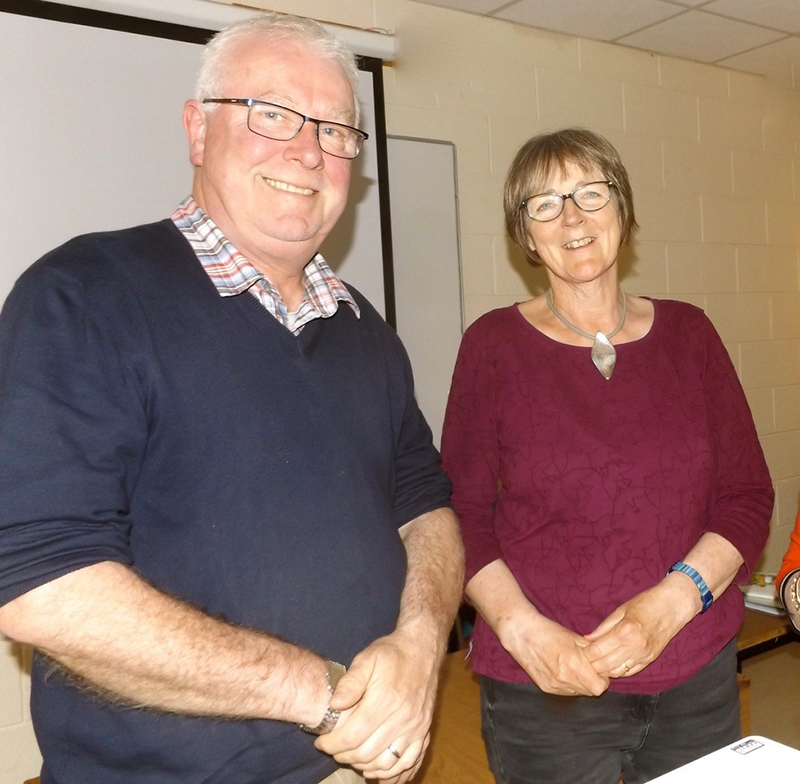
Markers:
<point>706,597</point>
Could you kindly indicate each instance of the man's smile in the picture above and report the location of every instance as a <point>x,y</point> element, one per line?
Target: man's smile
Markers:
<point>288,187</point>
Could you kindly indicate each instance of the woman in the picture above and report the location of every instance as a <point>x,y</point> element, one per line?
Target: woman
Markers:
<point>788,579</point>
<point>610,486</point>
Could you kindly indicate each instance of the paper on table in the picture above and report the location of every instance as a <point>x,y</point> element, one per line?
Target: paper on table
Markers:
<point>757,594</point>
<point>765,608</point>
<point>751,759</point>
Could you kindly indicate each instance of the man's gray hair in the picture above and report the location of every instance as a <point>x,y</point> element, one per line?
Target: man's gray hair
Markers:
<point>270,27</point>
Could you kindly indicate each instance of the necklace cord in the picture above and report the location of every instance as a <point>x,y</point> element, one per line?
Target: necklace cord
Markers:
<point>563,320</point>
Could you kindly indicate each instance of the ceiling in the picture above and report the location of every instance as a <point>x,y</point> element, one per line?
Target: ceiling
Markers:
<point>757,36</point>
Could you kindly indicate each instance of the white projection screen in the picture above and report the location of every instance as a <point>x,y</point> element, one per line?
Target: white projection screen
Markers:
<point>91,138</point>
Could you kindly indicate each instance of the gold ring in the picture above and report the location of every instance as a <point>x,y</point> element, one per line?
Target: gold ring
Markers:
<point>625,665</point>
<point>394,751</point>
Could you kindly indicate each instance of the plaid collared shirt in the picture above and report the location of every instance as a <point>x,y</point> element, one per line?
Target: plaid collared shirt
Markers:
<point>233,274</point>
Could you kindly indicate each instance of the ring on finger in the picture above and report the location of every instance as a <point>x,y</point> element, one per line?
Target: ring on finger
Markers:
<point>625,666</point>
<point>394,751</point>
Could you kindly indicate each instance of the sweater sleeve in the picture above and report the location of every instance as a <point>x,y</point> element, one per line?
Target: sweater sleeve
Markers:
<point>69,442</point>
<point>470,448</point>
<point>743,497</point>
<point>420,483</point>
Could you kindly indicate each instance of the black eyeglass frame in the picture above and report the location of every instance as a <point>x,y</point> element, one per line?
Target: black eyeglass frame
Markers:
<point>564,196</point>
<point>251,102</point>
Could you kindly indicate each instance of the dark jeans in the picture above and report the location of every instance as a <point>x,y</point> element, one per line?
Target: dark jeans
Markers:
<point>537,738</point>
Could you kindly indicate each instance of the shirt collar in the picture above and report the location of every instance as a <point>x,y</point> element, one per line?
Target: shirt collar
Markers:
<point>231,273</point>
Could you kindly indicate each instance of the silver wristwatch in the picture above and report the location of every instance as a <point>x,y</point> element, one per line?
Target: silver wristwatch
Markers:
<point>333,672</point>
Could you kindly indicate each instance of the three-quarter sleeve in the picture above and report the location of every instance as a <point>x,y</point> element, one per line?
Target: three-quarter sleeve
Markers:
<point>743,496</point>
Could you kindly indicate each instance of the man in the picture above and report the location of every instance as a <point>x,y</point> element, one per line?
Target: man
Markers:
<point>216,483</point>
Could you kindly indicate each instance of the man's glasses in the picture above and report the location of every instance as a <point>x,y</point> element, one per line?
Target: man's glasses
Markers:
<point>548,206</point>
<point>277,122</point>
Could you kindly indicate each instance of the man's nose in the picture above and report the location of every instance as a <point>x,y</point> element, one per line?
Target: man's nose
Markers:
<point>305,145</point>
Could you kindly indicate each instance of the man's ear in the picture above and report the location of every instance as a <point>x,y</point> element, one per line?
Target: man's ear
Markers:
<point>194,123</point>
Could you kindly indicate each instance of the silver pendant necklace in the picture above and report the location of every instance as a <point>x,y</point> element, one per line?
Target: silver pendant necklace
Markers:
<point>604,355</point>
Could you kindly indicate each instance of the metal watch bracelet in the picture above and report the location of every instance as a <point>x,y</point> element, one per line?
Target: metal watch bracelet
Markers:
<point>793,592</point>
<point>333,672</point>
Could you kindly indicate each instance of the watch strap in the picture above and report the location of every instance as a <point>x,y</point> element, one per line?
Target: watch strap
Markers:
<point>792,582</point>
<point>333,672</point>
<point>789,593</point>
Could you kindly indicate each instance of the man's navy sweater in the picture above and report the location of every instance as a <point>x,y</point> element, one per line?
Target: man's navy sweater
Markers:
<point>259,475</point>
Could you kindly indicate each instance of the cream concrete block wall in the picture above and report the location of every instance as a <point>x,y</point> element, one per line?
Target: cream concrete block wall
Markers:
<point>691,167</point>
<point>767,269</point>
<point>787,408</point>
<point>644,267</point>
<point>762,404</point>
<point>713,158</point>
<point>769,364</point>
<point>697,267</point>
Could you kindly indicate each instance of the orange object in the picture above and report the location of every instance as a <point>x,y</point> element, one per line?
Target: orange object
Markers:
<point>791,560</point>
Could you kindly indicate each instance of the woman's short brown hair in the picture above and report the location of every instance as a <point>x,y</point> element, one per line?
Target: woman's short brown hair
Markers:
<point>540,157</point>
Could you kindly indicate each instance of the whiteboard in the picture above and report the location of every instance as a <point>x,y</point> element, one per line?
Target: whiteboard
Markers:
<point>91,139</point>
<point>426,263</point>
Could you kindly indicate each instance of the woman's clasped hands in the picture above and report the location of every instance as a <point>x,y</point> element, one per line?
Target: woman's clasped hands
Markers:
<point>554,657</point>
<point>636,633</point>
<point>562,662</point>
